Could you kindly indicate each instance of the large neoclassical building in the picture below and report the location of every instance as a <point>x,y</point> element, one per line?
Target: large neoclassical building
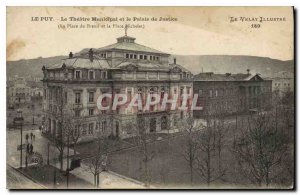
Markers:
<point>124,67</point>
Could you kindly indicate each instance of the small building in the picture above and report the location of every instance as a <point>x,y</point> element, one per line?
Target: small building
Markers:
<point>18,92</point>
<point>226,94</point>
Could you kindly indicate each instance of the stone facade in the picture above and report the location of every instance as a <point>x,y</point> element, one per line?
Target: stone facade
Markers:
<point>225,94</point>
<point>121,68</point>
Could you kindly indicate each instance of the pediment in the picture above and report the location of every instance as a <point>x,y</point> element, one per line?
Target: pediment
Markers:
<point>256,78</point>
<point>130,67</point>
<point>176,69</point>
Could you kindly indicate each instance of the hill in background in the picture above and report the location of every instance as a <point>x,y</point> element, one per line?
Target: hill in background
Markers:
<point>196,63</point>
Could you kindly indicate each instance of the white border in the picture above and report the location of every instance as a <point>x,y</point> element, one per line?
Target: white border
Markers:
<point>3,5</point>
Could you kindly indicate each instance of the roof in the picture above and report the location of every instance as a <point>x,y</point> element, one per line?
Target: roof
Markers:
<point>179,66</point>
<point>210,76</point>
<point>80,62</point>
<point>131,46</point>
<point>284,75</point>
<point>153,66</point>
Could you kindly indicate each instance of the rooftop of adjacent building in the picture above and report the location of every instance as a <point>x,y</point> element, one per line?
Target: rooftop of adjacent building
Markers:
<point>210,76</point>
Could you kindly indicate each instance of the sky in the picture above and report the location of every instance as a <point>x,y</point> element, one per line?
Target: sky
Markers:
<point>197,31</point>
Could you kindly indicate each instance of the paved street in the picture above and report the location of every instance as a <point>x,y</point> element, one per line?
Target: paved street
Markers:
<point>16,180</point>
<point>107,179</point>
<point>39,145</point>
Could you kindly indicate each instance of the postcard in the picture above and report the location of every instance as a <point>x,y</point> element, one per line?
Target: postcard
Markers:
<point>150,98</point>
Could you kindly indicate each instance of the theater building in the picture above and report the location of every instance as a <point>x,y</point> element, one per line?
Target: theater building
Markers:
<point>226,94</point>
<point>124,67</point>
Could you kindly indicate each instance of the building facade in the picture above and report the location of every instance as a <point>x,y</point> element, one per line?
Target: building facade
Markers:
<point>18,92</point>
<point>121,68</point>
<point>283,82</point>
<point>225,94</point>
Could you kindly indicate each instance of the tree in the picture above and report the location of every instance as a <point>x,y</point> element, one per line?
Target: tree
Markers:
<point>191,143</point>
<point>221,130</point>
<point>96,163</point>
<point>260,149</point>
<point>210,143</point>
<point>101,145</point>
<point>141,140</point>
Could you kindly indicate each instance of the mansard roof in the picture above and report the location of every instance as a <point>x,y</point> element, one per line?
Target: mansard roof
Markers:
<point>139,65</point>
<point>210,76</point>
<point>130,46</point>
<point>127,43</point>
<point>81,62</point>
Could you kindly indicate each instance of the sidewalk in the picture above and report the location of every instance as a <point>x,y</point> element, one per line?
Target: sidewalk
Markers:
<point>40,145</point>
<point>108,180</point>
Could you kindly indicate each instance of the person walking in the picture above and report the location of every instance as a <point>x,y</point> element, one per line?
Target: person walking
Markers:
<point>26,138</point>
<point>31,148</point>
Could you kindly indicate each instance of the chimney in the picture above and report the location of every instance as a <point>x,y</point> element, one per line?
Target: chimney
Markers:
<point>91,55</point>
<point>248,71</point>
<point>70,55</point>
<point>174,60</point>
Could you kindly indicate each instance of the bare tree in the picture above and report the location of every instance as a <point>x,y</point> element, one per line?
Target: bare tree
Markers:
<point>191,143</point>
<point>210,143</point>
<point>101,147</point>
<point>260,149</point>
<point>96,162</point>
<point>141,140</point>
<point>221,130</point>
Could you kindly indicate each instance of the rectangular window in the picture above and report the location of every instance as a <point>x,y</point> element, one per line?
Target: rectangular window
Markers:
<point>141,57</point>
<point>131,56</point>
<point>157,58</point>
<point>91,75</point>
<point>210,93</point>
<point>135,56</point>
<point>216,93</point>
<point>104,75</point>
<point>77,74</point>
<point>91,97</point>
<point>181,90</point>
<point>83,129</point>
<point>77,113</point>
<point>129,95</point>
<point>77,98</point>
<point>127,55</point>
<point>104,126</point>
<point>145,57</point>
<point>91,128</point>
<point>150,57</point>
<point>200,92</point>
<point>188,90</point>
<point>91,112</point>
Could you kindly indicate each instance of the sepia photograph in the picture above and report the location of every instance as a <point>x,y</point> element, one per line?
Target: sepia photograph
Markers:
<point>150,98</point>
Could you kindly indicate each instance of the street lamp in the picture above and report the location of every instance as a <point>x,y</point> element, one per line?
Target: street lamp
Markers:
<point>19,121</point>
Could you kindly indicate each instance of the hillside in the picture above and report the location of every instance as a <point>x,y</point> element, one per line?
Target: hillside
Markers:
<point>209,63</point>
<point>234,64</point>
